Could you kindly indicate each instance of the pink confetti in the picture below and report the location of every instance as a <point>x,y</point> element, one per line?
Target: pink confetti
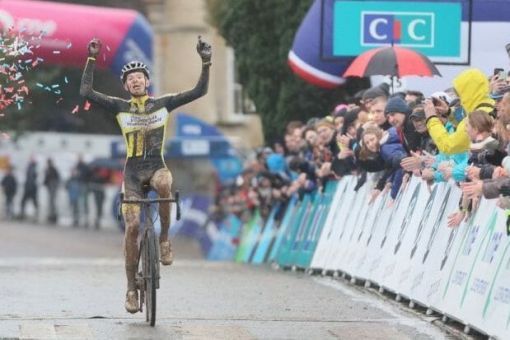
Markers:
<point>23,89</point>
<point>76,108</point>
<point>86,106</point>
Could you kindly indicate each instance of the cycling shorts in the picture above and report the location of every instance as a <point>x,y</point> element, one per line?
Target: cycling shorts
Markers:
<point>137,175</point>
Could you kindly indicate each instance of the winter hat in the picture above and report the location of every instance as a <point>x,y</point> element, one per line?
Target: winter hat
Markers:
<point>397,104</point>
<point>340,110</point>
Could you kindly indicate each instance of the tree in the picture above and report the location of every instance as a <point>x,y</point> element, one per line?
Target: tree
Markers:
<point>261,33</point>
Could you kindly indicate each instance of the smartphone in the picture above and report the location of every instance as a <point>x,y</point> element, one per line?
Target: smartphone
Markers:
<point>502,75</point>
<point>498,70</point>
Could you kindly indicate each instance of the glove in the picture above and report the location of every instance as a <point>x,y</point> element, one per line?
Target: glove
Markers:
<point>94,47</point>
<point>204,50</point>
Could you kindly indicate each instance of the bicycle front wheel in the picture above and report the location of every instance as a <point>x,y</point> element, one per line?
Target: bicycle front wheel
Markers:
<point>150,274</point>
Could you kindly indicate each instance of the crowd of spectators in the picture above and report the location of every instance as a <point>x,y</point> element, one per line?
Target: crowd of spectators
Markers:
<point>85,180</point>
<point>461,133</point>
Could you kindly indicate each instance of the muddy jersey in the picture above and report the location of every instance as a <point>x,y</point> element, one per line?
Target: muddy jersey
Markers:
<point>144,134</point>
<point>143,120</point>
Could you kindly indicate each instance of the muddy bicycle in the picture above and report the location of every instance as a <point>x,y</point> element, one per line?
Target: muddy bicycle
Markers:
<point>147,277</point>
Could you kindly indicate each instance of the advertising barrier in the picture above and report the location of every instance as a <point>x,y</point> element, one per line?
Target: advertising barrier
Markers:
<point>403,246</point>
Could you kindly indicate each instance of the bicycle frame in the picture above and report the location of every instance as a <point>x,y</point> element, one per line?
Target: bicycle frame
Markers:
<point>147,279</point>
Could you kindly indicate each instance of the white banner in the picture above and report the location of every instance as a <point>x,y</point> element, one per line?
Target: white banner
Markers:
<point>407,247</point>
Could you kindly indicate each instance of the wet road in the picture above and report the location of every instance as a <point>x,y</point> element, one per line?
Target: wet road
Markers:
<point>64,283</point>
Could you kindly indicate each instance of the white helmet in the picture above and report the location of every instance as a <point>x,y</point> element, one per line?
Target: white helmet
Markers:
<point>133,66</point>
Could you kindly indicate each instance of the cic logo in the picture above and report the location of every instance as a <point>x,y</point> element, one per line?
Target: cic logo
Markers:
<point>414,29</point>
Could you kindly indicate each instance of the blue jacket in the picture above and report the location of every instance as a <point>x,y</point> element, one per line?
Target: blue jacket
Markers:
<point>392,152</point>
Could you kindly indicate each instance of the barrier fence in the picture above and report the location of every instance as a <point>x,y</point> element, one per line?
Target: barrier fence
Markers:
<point>404,247</point>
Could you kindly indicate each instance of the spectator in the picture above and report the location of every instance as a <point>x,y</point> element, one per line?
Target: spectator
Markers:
<point>338,116</point>
<point>97,182</point>
<point>52,182</point>
<point>73,187</point>
<point>9,187</point>
<point>327,147</point>
<point>380,91</point>
<point>377,115</point>
<point>472,88</point>
<point>413,98</point>
<point>84,175</point>
<point>419,122</point>
<point>398,113</point>
<point>30,189</point>
<point>388,145</point>
<point>484,151</point>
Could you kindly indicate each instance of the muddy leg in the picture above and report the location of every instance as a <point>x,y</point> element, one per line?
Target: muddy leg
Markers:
<point>161,181</point>
<point>131,213</point>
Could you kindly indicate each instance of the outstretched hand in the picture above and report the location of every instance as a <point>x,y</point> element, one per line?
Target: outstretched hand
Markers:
<point>94,47</point>
<point>204,50</point>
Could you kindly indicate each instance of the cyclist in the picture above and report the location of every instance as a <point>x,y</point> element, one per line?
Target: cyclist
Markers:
<point>143,121</point>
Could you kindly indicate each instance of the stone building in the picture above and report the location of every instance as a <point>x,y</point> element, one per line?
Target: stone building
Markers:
<point>176,25</point>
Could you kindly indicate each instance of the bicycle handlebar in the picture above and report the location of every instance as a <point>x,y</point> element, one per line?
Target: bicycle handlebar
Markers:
<point>175,200</point>
<point>151,200</point>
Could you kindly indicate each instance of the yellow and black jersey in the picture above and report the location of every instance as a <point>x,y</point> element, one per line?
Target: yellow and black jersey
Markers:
<point>143,120</point>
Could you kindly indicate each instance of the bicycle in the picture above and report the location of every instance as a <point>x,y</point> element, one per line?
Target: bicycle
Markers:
<point>147,277</point>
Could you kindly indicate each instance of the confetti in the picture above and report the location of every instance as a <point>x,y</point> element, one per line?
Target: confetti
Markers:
<point>18,57</point>
<point>86,106</point>
<point>76,108</point>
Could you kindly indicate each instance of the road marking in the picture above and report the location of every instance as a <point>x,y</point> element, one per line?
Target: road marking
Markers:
<point>78,331</point>
<point>200,332</point>
<point>55,332</point>
<point>37,331</point>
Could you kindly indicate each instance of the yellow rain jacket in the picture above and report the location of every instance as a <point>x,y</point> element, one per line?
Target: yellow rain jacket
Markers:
<point>472,86</point>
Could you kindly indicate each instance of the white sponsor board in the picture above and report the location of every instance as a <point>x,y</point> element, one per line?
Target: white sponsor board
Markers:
<point>463,272</point>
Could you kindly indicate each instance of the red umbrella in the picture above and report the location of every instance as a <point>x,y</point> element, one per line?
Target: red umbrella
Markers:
<point>391,61</point>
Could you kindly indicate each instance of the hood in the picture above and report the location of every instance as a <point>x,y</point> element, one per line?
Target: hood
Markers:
<point>276,163</point>
<point>472,86</point>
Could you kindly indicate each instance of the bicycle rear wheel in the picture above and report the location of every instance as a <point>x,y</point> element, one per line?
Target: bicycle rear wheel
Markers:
<point>150,275</point>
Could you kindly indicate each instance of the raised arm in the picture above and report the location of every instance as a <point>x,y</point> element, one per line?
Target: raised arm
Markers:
<point>172,101</point>
<point>87,80</point>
